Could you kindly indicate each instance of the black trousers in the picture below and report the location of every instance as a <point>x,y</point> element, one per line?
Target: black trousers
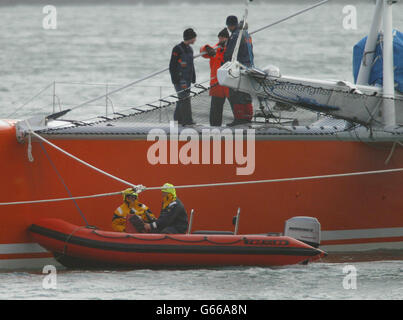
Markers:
<point>183,110</point>
<point>216,110</point>
<point>170,230</point>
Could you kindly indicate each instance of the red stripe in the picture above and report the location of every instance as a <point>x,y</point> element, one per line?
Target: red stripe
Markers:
<point>26,255</point>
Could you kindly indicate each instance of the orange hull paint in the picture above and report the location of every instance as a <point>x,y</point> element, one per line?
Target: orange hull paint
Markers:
<point>346,203</point>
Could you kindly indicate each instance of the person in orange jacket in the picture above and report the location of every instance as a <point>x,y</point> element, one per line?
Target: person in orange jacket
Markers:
<point>127,215</point>
<point>218,93</point>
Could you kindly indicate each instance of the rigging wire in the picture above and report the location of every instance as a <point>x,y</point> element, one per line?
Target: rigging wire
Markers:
<point>64,184</point>
<point>235,183</point>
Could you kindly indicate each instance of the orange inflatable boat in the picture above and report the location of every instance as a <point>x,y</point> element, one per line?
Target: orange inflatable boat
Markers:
<point>89,247</point>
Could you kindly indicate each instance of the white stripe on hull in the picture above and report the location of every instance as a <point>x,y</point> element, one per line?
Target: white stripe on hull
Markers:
<point>19,248</point>
<point>362,247</point>
<point>28,264</point>
<point>361,233</point>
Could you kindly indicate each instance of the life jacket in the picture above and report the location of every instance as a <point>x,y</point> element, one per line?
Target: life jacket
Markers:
<point>167,200</point>
<point>215,63</point>
<point>121,214</point>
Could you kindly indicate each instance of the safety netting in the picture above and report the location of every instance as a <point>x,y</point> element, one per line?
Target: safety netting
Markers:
<point>160,112</point>
<point>340,100</point>
<point>279,107</point>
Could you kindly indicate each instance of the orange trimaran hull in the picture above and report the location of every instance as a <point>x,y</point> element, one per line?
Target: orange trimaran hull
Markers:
<point>356,213</point>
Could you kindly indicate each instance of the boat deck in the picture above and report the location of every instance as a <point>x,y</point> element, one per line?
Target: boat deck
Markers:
<point>271,121</point>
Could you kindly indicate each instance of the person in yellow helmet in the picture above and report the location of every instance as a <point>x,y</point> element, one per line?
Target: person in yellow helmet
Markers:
<point>131,209</point>
<point>173,217</point>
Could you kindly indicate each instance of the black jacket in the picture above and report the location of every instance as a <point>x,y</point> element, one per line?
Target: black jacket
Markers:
<point>245,53</point>
<point>174,215</point>
<point>181,66</point>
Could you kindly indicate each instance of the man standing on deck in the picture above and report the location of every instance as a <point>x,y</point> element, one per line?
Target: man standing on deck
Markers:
<point>183,73</point>
<point>218,93</point>
<point>242,102</point>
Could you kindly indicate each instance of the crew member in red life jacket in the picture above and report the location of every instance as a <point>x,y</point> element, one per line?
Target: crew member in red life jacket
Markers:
<point>183,73</point>
<point>242,102</point>
<point>218,93</point>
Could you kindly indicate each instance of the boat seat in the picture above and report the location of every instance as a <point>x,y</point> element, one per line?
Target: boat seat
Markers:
<point>213,232</point>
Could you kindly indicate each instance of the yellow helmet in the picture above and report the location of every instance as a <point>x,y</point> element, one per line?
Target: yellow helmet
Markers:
<point>169,188</point>
<point>129,192</point>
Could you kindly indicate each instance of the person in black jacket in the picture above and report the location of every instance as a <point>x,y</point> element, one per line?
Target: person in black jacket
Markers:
<point>181,68</point>
<point>173,217</point>
<point>241,102</point>
<point>245,53</point>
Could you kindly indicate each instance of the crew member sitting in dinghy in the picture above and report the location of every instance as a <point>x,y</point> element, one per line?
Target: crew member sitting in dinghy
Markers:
<point>173,217</point>
<point>130,210</point>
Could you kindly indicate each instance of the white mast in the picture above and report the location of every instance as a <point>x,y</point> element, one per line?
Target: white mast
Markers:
<point>370,45</point>
<point>238,41</point>
<point>388,107</point>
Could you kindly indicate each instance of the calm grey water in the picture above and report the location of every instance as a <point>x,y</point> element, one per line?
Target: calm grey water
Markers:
<point>117,44</point>
<point>380,280</point>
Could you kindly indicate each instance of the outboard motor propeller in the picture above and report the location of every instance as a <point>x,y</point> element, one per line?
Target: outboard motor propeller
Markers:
<point>305,229</point>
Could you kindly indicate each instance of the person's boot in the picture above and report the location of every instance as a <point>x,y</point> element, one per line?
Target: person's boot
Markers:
<point>238,114</point>
<point>237,122</point>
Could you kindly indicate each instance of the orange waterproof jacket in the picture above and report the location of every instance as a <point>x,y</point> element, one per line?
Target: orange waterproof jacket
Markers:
<point>215,63</point>
<point>121,213</point>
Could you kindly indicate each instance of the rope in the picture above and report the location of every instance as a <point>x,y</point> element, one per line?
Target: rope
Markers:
<point>142,188</point>
<point>29,100</point>
<point>61,199</point>
<point>218,185</point>
<point>78,159</point>
<point>119,89</point>
<point>64,184</point>
<point>137,108</point>
<point>392,151</point>
<point>337,175</point>
<point>165,237</point>
<point>289,17</point>
<point>69,237</point>
<point>29,149</point>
